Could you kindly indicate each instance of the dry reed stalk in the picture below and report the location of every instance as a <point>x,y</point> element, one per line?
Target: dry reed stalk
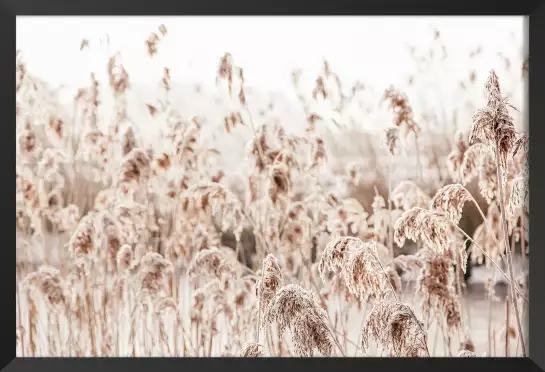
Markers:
<point>363,318</point>
<point>90,313</point>
<point>509,257</point>
<point>390,230</point>
<point>403,118</point>
<point>266,287</point>
<point>490,296</point>
<point>46,283</point>
<point>507,325</point>
<point>494,341</point>
<point>33,324</point>
<point>20,327</point>
<point>494,125</point>
<point>162,306</point>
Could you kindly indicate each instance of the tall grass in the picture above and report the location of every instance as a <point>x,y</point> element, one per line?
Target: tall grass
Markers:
<point>128,247</point>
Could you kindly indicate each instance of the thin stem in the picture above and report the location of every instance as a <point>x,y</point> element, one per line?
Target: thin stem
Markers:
<point>489,296</point>
<point>508,252</point>
<point>418,162</point>
<point>507,322</point>
<point>262,157</point>
<point>494,341</point>
<point>20,323</point>
<point>259,305</point>
<point>459,278</point>
<point>490,259</point>
<point>360,333</point>
<point>485,221</point>
<point>390,229</point>
<point>252,126</point>
<point>435,337</point>
<point>349,341</point>
<point>518,340</point>
<point>336,342</point>
<point>522,242</point>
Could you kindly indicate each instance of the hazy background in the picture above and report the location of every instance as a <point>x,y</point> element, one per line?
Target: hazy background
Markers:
<point>373,50</point>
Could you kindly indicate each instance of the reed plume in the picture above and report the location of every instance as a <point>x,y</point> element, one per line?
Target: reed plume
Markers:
<point>393,327</point>
<point>296,309</point>
<point>420,224</point>
<point>253,350</point>
<point>450,200</point>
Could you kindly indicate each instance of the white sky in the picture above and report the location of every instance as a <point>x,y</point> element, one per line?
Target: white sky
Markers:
<point>371,48</point>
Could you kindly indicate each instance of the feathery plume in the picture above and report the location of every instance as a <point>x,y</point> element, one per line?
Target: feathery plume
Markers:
<point>272,280</point>
<point>296,309</point>
<point>427,226</point>
<point>47,282</point>
<point>393,326</point>
<point>493,124</point>
<point>253,350</point>
<point>450,200</point>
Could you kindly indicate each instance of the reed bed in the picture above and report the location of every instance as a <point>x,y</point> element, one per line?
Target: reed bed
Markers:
<point>132,248</point>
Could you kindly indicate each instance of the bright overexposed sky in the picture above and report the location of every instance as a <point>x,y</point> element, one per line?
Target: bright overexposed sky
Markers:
<point>370,48</point>
<point>374,50</point>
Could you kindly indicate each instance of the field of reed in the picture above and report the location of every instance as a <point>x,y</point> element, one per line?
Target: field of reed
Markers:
<point>243,237</point>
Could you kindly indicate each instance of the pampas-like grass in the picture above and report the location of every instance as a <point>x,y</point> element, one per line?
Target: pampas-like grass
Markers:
<point>47,283</point>
<point>419,224</point>
<point>253,350</point>
<point>310,332</point>
<point>271,280</point>
<point>393,327</point>
<point>211,264</point>
<point>296,309</point>
<point>335,255</point>
<point>435,285</point>
<point>450,200</point>
<point>152,274</point>
<point>363,273</point>
<point>493,124</point>
<point>81,243</point>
